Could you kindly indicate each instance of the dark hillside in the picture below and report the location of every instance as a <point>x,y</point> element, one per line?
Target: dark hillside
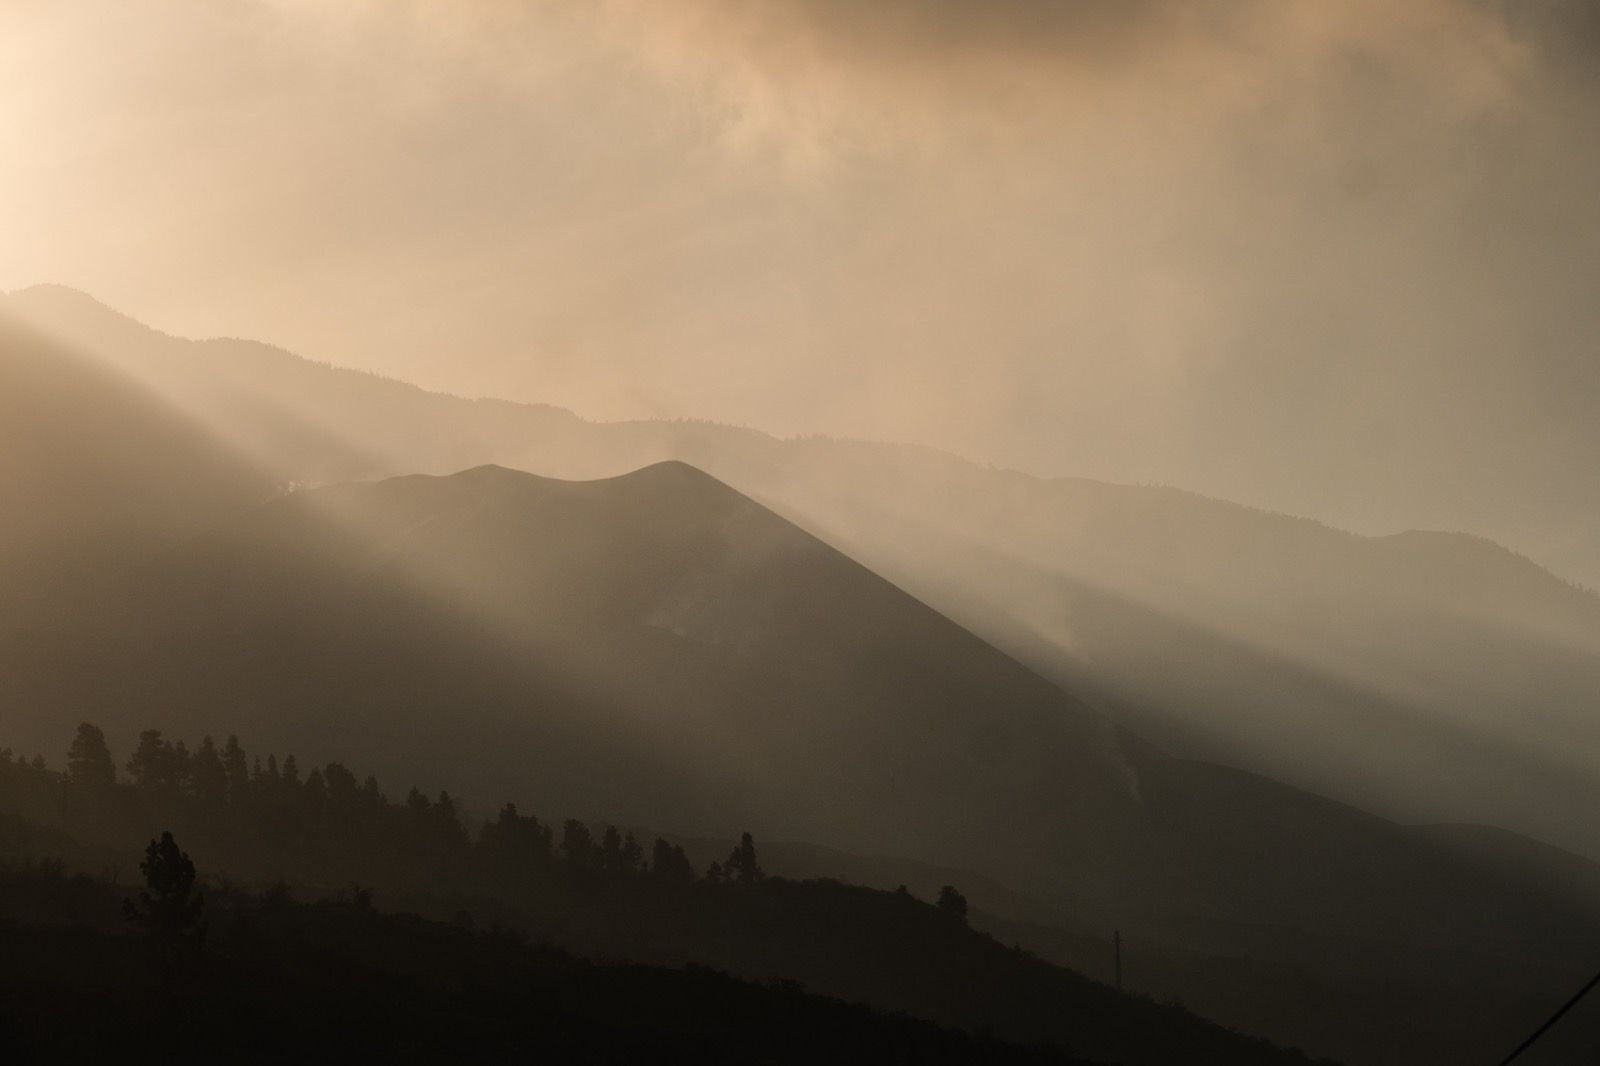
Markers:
<point>593,891</point>
<point>331,983</point>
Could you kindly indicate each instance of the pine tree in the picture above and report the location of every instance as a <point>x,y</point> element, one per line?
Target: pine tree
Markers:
<point>499,837</point>
<point>953,903</point>
<point>577,844</point>
<point>316,792</point>
<point>669,865</point>
<point>611,851</point>
<point>179,767</point>
<point>233,762</point>
<point>447,823</point>
<point>89,763</point>
<point>514,846</point>
<point>742,867</point>
<point>148,765</point>
<point>169,907</point>
<point>208,775</point>
<point>341,786</point>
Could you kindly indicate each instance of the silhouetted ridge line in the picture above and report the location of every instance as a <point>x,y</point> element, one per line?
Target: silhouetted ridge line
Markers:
<point>594,887</point>
<point>667,475</point>
<point>339,981</point>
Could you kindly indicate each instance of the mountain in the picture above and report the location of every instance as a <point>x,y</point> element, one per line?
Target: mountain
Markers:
<point>329,983</point>
<point>659,646</point>
<point>662,644</point>
<point>299,835</point>
<point>1427,676</point>
<point>96,466</point>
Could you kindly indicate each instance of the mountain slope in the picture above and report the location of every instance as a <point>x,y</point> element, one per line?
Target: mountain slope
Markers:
<point>333,983</point>
<point>95,466</point>
<point>882,948</point>
<point>667,644</point>
<point>1429,676</point>
<point>658,647</point>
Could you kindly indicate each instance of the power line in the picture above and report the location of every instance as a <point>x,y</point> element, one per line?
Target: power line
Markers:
<point>1556,1017</point>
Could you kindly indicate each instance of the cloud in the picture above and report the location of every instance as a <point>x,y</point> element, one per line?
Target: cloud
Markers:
<point>1326,257</point>
<point>808,69</point>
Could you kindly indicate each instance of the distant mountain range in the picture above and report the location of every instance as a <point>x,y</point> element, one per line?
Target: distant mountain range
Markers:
<point>661,647</point>
<point>1428,676</point>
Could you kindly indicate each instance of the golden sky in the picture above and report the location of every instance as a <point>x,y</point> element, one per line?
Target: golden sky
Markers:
<point>1335,258</point>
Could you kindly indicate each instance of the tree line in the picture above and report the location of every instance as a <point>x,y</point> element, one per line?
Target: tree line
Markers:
<point>256,816</point>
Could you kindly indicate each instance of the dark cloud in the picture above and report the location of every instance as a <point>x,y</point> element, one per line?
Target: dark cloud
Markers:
<point>1090,28</point>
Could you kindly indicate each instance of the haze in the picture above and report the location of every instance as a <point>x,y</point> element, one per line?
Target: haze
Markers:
<point>1331,259</point>
<point>963,530</point>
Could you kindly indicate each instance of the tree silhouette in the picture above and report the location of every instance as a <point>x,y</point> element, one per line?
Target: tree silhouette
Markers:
<point>513,846</point>
<point>168,909</point>
<point>953,903</point>
<point>520,833</point>
<point>179,766</point>
<point>669,865</point>
<point>233,763</point>
<point>611,850</point>
<point>742,867</point>
<point>342,789</point>
<point>447,823</point>
<point>316,792</point>
<point>150,763</point>
<point>207,774</point>
<point>577,844</point>
<point>89,763</point>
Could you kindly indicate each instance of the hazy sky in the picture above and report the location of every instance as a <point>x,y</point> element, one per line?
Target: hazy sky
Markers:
<point>1338,258</point>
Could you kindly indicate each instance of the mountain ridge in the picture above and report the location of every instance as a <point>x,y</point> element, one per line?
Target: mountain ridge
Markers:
<point>812,626</point>
<point>68,299</point>
<point>1220,632</point>
<point>660,645</point>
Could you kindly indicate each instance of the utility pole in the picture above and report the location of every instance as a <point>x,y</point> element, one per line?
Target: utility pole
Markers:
<point>1116,952</point>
